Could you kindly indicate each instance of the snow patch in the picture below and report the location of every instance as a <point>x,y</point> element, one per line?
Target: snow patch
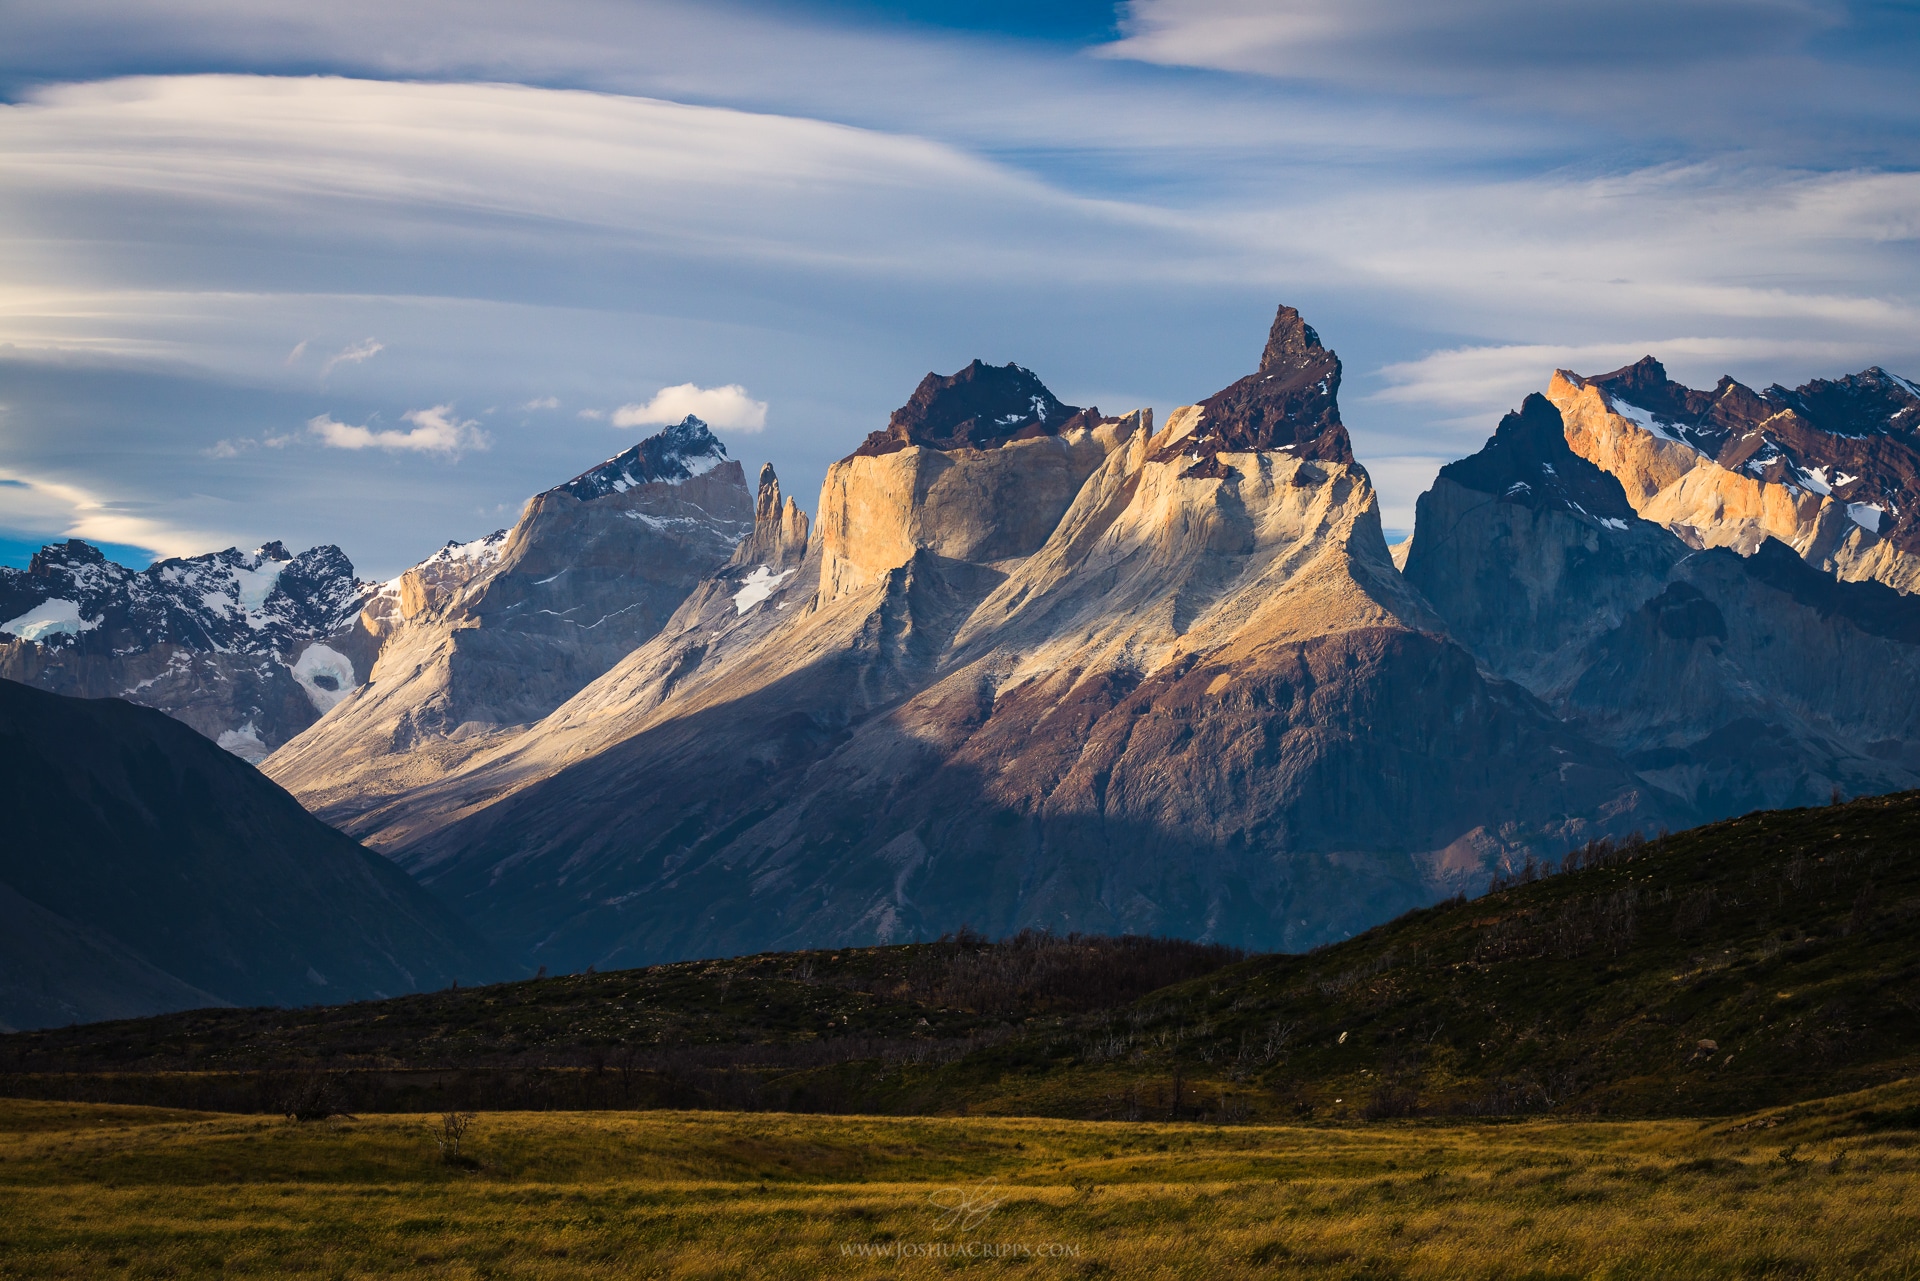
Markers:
<point>759,585</point>
<point>1614,522</point>
<point>1866,515</point>
<point>1645,420</point>
<point>244,743</point>
<point>665,522</point>
<point>251,587</point>
<point>1815,479</point>
<point>481,551</point>
<point>325,674</point>
<point>50,618</point>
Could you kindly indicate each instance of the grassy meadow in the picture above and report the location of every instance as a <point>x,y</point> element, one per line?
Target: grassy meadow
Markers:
<point>1821,1189</point>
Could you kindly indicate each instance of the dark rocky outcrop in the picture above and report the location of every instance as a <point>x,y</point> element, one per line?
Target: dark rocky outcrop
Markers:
<point>1290,403</point>
<point>981,407</point>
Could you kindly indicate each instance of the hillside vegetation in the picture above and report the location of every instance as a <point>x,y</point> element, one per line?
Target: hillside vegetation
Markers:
<point>1751,963</point>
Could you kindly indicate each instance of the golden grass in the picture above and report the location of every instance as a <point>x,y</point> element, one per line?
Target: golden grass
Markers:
<point>90,1191</point>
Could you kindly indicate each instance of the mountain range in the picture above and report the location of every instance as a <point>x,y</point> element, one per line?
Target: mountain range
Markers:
<point>249,648</point>
<point>1033,665</point>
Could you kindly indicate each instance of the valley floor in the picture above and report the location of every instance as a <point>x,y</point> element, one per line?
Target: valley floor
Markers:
<point>1821,1189</point>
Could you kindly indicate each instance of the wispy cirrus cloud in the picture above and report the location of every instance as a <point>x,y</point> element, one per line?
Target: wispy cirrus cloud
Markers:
<point>351,354</point>
<point>728,407</point>
<point>435,431</point>
<point>1695,70</point>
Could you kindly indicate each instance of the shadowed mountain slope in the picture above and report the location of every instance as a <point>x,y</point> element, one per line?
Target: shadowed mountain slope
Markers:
<point>145,869</point>
<point>1736,682</point>
<point>1763,961</point>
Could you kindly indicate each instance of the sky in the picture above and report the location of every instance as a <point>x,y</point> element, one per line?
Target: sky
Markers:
<point>372,273</point>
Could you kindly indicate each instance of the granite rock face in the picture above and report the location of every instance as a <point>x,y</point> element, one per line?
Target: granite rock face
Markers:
<point>1734,682</point>
<point>484,638</point>
<point>249,648</point>
<point>1061,676</point>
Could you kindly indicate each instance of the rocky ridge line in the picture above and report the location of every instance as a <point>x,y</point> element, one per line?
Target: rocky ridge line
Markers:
<point>1831,468</point>
<point>248,648</point>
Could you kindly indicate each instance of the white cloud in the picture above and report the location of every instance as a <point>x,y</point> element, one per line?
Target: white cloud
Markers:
<point>1660,70</point>
<point>727,407</point>
<point>481,169</point>
<point>435,431</point>
<point>235,446</point>
<point>352,354</point>
<point>299,350</point>
<point>542,402</point>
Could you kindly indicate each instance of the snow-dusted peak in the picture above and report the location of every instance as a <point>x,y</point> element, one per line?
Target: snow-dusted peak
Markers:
<point>681,452</point>
<point>1528,462</point>
<point>475,555</point>
<point>229,601</point>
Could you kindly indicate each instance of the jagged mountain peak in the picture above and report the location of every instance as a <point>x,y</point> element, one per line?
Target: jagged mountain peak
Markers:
<point>1291,343</point>
<point>483,549</point>
<point>1871,402</point>
<point>1830,466</point>
<point>981,407</point>
<point>239,645</point>
<point>230,601</point>
<point>1527,461</point>
<point>685,450</point>
<point>72,553</point>
<point>1290,403</point>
